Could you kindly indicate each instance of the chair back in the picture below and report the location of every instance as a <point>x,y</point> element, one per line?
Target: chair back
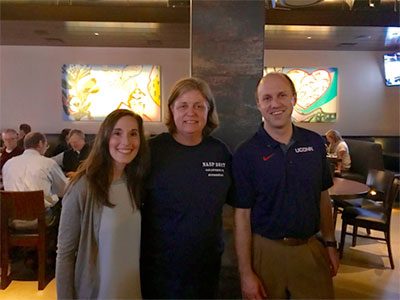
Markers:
<point>392,195</point>
<point>23,224</point>
<point>380,183</point>
<point>24,206</point>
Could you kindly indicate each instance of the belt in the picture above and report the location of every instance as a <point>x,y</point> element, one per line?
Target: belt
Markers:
<point>289,241</point>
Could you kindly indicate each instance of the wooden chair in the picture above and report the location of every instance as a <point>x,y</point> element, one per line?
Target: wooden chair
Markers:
<point>379,182</point>
<point>16,208</point>
<point>372,219</point>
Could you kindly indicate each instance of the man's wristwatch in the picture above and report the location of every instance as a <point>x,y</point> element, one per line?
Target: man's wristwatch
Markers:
<point>332,244</point>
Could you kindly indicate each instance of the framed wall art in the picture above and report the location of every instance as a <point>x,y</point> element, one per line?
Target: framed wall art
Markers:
<point>91,92</point>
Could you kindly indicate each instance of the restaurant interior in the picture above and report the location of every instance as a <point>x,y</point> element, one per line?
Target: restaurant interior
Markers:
<point>230,44</point>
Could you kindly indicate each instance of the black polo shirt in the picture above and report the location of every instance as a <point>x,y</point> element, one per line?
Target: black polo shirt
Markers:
<point>283,189</point>
<point>72,159</point>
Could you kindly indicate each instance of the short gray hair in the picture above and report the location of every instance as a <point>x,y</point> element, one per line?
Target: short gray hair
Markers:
<point>10,130</point>
<point>78,132</point>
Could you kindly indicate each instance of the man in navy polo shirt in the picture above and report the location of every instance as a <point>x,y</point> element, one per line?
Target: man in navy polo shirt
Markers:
<point>282,179</point>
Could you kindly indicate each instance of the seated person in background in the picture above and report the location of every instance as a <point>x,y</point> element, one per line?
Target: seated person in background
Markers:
<point>62,142</point>
<point>70,159</point>
<point>11,148</point>
<point>338,147</point>
<point>24,129</point>
<point>31,171</point>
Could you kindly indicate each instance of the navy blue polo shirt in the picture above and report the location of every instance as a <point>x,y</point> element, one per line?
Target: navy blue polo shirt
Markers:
<point>283,190</point>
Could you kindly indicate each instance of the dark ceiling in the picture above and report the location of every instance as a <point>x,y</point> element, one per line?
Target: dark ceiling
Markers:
<point>362,25</point>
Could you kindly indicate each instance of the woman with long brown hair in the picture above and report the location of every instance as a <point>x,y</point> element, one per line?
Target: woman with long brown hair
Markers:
<point>99,234</point>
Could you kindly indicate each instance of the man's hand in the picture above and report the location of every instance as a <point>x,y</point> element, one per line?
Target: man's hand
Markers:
<point>252,287</point>
<point>333,260</point>
<point>327,230</point>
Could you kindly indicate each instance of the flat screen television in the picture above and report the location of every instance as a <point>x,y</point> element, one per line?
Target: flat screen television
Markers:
<point>392,68</point>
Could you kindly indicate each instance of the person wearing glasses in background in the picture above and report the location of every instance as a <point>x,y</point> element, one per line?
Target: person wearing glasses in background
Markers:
<point>282,178</point>
<point>11,148</point>
<point>190,181</point>
<point>70,159</point>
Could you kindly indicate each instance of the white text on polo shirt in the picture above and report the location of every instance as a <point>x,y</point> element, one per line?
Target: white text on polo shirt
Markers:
<point>214,168</point>
<point>304,149</point>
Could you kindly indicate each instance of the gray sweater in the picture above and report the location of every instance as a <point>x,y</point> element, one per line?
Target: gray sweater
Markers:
<point>76,267</point>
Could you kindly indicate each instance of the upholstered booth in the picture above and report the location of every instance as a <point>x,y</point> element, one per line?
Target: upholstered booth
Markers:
<point>365,156</point>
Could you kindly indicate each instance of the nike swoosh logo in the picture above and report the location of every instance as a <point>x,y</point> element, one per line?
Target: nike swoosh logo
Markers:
<point>265,158</point>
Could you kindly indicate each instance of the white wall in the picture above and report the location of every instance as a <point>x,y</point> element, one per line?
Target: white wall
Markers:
<point>365,105</point>
<point>30,84</point>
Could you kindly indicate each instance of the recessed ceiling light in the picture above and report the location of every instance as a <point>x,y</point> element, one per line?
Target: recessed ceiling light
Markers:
<point>54,40</point>
<point>96,33</point>
<point>309,37</point>
<point>363,37</point>
<point>299,3</point>
<point>73,25</point>
<point>346,44</point>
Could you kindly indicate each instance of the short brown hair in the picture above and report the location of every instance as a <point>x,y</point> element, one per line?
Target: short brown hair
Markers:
<point>78,132</point>
<point>32,140</point>
<point>189,84</point>
<point>25,128</point>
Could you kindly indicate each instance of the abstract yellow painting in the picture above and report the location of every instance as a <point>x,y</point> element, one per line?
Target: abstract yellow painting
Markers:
<point>91,92</point>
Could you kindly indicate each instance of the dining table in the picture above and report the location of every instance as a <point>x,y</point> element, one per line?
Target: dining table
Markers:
<point>333,158</point>
<point>345,188</point>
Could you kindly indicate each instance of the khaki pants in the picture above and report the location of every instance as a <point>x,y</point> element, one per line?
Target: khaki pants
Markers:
<point>292,271</point>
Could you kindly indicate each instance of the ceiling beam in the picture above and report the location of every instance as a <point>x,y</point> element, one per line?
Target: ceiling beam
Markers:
<point>332,18</point>
<point>382,17</point>
<point>101,13</point>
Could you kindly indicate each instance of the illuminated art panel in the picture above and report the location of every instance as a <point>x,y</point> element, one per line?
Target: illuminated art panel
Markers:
<point>91,92</point>
<point>316,93</point>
